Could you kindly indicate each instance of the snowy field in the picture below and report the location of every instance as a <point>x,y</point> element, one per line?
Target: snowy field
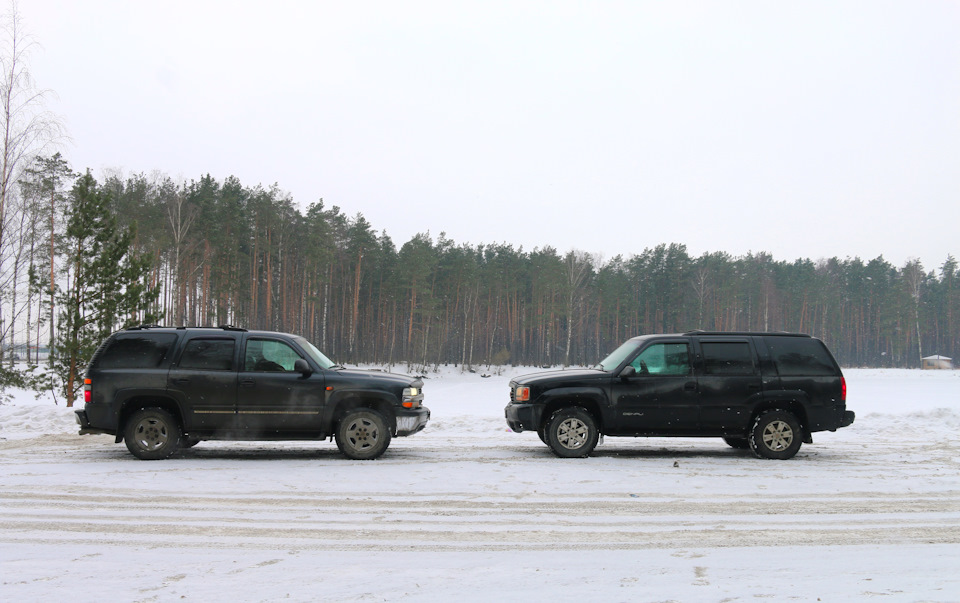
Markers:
<point>467,510</point>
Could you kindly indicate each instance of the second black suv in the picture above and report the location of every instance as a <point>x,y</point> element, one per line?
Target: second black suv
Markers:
<point>160,389</point>
<point>765,391</point>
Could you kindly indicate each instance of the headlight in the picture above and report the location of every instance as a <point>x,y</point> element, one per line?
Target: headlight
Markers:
<point>412,397</point>
<point>521,394</point>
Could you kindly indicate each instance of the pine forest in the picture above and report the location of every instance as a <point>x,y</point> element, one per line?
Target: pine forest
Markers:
<point>219,252</point>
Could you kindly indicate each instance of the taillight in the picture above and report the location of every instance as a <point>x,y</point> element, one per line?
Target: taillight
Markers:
<point>843,389</point>
<point>86,390</point>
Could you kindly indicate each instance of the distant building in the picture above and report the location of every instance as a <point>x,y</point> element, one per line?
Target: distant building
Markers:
<point>937,362</point>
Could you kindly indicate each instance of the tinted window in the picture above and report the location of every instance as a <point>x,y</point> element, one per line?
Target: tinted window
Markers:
<point>208,355</point>
<point>800,356</point>
<point>141,350</point>
<point>663,359</point>
<point>727,358</point>
<point>269,355</point>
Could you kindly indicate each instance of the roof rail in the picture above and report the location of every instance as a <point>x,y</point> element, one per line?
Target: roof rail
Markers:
<point>142,327</point>
<point>230,328</point>
<point>746,333</point>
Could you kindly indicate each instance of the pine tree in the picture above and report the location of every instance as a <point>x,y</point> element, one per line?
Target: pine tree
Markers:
<point>105,283</point>
<point>45,184</point>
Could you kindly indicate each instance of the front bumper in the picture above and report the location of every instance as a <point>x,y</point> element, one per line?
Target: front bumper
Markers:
<point>523,417</point>
<point>410,422</point>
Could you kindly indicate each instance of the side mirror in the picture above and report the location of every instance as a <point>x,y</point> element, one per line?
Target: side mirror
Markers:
<point>628,371</point>
<point>302,367</point>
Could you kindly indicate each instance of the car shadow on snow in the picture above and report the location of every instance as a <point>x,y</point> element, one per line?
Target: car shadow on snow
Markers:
<point>663,452</point>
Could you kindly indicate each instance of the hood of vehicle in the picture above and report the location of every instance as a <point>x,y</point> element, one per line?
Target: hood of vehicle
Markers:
<point>377,377</point>
<point>557,378</point>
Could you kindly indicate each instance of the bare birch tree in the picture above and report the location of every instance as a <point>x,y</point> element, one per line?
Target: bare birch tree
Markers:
<point>578,266</point>
<point>26,129</point>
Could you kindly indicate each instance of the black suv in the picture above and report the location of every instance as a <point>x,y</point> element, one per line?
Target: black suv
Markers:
<point>765,391</point>
<point>161,388</point>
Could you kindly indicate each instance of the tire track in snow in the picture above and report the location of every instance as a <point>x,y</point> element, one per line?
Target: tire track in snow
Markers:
<point>465,522</point>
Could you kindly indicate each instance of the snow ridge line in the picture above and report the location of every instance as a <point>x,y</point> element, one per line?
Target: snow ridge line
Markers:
<point>377,522</point>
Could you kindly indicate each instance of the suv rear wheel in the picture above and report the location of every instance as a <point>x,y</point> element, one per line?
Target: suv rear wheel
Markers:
<point>152,434</point>
<point>776,434</point>
<point>362,434</point>
<point>572,432</point>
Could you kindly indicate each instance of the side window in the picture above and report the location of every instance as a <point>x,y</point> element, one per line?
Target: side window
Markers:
<point>268,355</point>
<point>136,351</point>
<point>208,355</point>
<point>727,358</point>
<point>663,359</point>
<point>800,356</point>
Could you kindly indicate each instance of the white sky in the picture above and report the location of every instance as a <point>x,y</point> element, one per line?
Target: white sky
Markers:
<point>802,129</point>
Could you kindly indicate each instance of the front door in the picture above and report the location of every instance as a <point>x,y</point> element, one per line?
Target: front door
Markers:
<point>271,394</point>
<point>661,397</point>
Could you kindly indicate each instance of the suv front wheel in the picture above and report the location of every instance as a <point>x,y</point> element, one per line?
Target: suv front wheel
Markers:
<point>572,432</point>
<point>776,434</point>
<point>152,434</point>
<point>363,434</point>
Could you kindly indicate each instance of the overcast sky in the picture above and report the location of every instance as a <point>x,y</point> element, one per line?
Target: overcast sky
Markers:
<point>802,129</point>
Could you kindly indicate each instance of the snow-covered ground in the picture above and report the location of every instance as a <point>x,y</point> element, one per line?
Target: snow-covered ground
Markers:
<point>467,510</point>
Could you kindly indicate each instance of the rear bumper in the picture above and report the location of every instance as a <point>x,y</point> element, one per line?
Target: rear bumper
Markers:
<point>410,422</point>
<point>523,417</point>
<point>84,423</point>
<point>848,417</point>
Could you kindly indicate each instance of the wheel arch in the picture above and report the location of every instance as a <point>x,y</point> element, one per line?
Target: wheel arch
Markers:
<point>588,400</point>
<point>789,404</point>
<point>383,404</point>
<point>141,401</point>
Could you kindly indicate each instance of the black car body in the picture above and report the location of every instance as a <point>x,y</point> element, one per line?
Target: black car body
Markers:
<point>161,388</point>
<point>765,391</point>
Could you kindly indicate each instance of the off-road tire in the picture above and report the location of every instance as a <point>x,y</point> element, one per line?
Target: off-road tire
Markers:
<point>363,434</point>
<point>152,434</point>
<point>776,434</point>
<point>572,432</point>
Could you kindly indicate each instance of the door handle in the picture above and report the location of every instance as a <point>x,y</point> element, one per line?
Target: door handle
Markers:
<point>248,382</point>
<point>690,386</point>
<point>181,381</point>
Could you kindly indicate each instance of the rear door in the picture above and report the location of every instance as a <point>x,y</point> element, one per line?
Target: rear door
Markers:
<point>729,379</point>
<point>204,378</point>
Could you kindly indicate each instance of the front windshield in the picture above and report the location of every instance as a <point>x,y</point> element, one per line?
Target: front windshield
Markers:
<point>316,354</point>
<point>617,357</point>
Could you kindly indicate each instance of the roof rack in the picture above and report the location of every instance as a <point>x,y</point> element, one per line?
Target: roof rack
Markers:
<point>230,328</point>
<point>745,333</point>
<point>143,327</point>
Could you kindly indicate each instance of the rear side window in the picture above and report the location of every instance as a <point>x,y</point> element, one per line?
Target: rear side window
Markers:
<point>208,355</point>
<point>800,356</point>
<point>136,351</point>
<point>727,358</point>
